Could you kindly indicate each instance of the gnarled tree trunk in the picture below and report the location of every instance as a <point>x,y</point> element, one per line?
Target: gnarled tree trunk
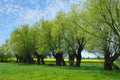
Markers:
<point>78,56</point>
<point>108,64</point>
<point>78,60</point>
<point>58,59</point>
<point>81,43</point>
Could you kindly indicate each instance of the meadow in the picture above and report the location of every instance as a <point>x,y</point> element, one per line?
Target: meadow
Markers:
<point>87,71</point>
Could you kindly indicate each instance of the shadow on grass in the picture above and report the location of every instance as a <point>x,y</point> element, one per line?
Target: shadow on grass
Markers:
<point>84,66</point>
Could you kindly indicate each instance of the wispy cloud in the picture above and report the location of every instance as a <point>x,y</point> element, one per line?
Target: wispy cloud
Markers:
<point>14,13</point>
<point>51,7</point>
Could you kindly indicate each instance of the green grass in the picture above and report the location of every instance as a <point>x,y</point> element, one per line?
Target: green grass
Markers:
<point>87,71</point>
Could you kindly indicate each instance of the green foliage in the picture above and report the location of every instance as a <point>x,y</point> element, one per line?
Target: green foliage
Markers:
<point>58,31</point>
<point>44,37</point>
<point>21,41</point>
<point>5,51</point>
<point>102,23</point>
<point>1,52</point>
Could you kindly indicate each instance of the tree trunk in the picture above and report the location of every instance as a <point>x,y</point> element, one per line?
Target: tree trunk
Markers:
<point>29,60</point>
<point>63,62</point>
<point>58,59</point>
<point>38,59</point>
<point>71,59</point>
<point>78,60</point>
<point>108,63</point>
<point>42,59</point>
<point>78,57</point>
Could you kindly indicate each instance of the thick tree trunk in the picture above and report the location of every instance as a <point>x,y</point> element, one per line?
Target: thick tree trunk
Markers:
<point>78,60</point>
<point>78,56</point>
<point>71,59</point>
<point>58,59</point>
<point>107,63</point>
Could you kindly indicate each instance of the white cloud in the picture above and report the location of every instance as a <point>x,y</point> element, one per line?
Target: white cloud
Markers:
<point>29,11</point>
<point>29,16</point>
<point>32,15</point>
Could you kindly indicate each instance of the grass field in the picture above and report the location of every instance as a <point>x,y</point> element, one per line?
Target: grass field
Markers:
<point>87,71</point>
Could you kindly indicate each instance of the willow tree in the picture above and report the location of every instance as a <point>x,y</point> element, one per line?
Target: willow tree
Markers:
<point>21,44</point>
<point>41,40</point>
<point>49,41</point>
<point>74,37</point>
<point>58,32</point>
<point>34,33</point>
<point>103,20</point>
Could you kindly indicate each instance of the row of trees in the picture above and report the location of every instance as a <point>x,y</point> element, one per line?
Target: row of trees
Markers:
<point>94,26</point>
<point>58,37</point>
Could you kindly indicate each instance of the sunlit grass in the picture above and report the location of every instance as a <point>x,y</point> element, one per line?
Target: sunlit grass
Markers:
<point>87,71</point>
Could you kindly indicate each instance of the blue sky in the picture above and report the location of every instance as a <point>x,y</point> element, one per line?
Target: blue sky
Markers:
<point>14,13</point>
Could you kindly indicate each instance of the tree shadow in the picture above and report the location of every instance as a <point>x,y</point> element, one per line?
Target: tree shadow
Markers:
<point>84,66</point>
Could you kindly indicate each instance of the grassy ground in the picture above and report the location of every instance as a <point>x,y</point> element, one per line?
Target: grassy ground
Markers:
<point>87,71</point>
